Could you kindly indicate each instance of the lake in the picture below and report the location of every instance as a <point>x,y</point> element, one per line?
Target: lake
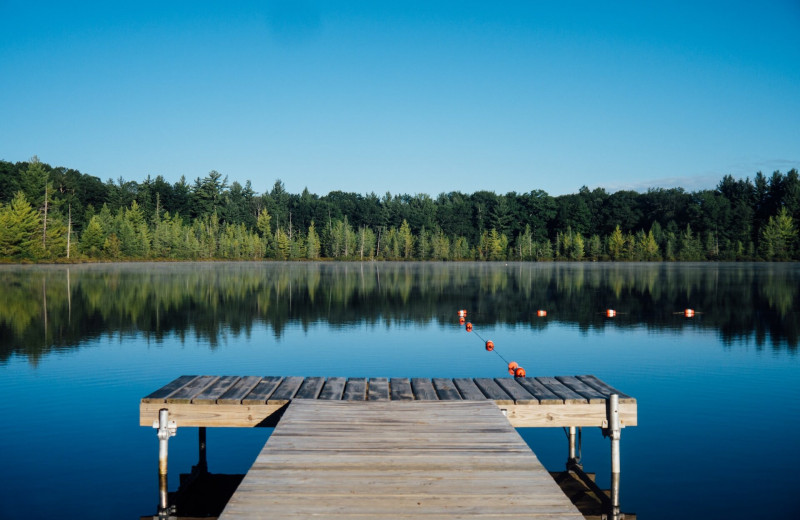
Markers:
<point>718,393</point>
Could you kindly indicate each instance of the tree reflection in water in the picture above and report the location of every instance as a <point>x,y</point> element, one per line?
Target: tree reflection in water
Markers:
<point>45,309</point>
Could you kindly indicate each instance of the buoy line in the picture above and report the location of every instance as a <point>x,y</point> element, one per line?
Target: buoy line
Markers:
<point>514,369</point>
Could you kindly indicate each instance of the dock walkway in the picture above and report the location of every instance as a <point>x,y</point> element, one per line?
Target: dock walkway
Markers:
<point>397,459</point>
<point>394,448</point>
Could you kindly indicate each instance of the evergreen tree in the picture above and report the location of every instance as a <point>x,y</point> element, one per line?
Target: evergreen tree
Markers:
<point>19,229</point>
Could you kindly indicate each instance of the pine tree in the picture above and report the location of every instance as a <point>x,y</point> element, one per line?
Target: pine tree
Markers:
<point>19,229</point>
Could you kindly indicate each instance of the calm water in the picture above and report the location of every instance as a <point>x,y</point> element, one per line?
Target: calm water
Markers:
<point>719,394</point>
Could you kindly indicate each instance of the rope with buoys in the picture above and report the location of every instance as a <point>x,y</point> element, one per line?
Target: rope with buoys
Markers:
<point>513,367</point>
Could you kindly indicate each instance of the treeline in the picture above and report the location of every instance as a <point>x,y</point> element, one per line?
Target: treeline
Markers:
<point>58,213</point>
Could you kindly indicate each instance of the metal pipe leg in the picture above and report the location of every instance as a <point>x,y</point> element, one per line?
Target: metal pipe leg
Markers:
<point>166,429</point>
<point>572,460</point>
<point>614,431</point>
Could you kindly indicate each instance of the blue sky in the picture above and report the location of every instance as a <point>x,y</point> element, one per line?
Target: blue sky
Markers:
<point>407,97</point>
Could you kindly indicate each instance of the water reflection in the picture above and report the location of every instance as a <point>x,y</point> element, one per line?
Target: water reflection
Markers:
<point>45,309</point>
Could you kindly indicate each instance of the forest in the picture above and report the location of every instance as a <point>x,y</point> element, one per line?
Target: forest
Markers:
<point>58,214</point>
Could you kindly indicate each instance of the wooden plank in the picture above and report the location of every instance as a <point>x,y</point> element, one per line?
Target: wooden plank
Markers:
<point>378,389</point>
<point>160,395</point>
<point>237,392</point>
<point>400,389</point>
<point>563,415</point>
<point>355,389</point>
<point>212,415</point>
<point>286,390</point>
<point>262,391</point>
<point>191,389</point>
<point>491,390</point>
<point>605,388</point>
<point>539,391</point>
<point>468,389</point>
<point>310,388</point>
<point>569,395</point>
<point>423,389</point>
<point>590,393</point>
<point>446,389</point>
<point>517,392</point>
<point>333,389</point>
<point>215,390</point>
<point>397,459</point>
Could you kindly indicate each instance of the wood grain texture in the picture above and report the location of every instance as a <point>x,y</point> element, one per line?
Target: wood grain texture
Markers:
<point>423,389</point>
<point>378,389</point>
<point>160,395</point>
<point>397,459</point>
<point>262,391</point>
<point>333,389</point>
<point>310,388</point>
<point>400,389</point>
<point>529,401</point>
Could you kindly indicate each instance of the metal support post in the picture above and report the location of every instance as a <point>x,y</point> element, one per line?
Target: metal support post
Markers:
<point>166,429</point>
<point>572,459</point>
<point>614,428</point>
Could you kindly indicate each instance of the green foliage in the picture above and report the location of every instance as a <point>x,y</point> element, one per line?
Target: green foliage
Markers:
<point>738,220</point>
<point>20,228</point>
<point>779,237</point>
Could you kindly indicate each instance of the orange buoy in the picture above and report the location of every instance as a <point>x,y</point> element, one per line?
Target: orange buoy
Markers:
<point>461,320</point>
<point>689,313</point>
<point>610,313</point>
<point>490,345</point>
<point>541,313</point>
<point>513,365</point>
<point>519,372</point>
<point>462,313</point>
<point>512,371</point>
<point>469,326</point>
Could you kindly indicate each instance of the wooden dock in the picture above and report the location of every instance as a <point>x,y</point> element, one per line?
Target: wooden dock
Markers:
<point>564,401</point>
<point>397,459</point>
<point>393,448</point>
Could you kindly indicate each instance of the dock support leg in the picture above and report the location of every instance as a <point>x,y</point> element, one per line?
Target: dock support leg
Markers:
<point>614,429</point>
<point>572,460</point>
<point>166,429</point>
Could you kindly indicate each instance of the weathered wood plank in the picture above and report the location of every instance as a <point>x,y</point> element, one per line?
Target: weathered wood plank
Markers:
<point>262,391</point>
<point>237,392</point>
<point>539,391</point>
<point>160,395</point>
<point>550,416</point>
<point>423,389</point>
<point>590,393</point>
<point>397,459</point>
<point>400,389</point>
<point>310,388</point>
<point>355,389</point>
<point>605,388</point>
<point>445,389</point>
<point>517,392</point>
<point>333,389</point>
<point>286,390</point>
<point>491,390</point>
<point>378,389</point>
<point>215,390</point>
<point>468,389</point>
<point>192,389</point>
<point>211,415</point>
<point>564,392</point>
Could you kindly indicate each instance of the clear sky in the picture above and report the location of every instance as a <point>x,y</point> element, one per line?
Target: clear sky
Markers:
<point>407,97</point>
